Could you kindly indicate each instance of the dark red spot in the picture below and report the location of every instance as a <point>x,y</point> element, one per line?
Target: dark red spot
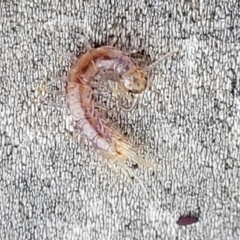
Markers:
<point>187,220</point>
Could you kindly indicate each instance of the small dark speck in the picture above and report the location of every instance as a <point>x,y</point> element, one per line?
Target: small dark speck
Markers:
<point>187,220</point>
<point>135,166</point>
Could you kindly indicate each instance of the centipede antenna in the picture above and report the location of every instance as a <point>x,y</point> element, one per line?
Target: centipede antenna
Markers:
<point>167,55</point>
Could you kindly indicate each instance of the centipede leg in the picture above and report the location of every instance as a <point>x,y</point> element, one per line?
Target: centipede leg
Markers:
<point>118,91</point>
<point>43,90</point>
<point>107,85</point>
<point>101,125</point>
<point>115,39</point>
<point>134,51</point>
<point>86,43</point>
<point>73,133</point>
<point>132,106</point>
<point>70,56</point>
<point>140,182</point>
<point>128,172</point>
<point>124,107</point>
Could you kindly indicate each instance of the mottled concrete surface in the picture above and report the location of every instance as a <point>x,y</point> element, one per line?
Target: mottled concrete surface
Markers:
<point>52,187</point>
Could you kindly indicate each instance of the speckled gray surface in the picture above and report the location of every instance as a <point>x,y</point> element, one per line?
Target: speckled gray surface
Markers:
<point>54,188</point>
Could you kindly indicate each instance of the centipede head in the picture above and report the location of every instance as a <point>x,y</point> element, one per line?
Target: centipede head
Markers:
<point>135,80</point>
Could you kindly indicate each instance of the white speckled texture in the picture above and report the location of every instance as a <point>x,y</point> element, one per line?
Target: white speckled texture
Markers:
<point>52,187</point>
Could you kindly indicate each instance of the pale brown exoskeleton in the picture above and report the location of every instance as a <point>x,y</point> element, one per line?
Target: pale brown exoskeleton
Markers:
<point>105,138</point>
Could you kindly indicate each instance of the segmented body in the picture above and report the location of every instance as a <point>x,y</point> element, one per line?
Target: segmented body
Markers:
<point>104,137</point>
